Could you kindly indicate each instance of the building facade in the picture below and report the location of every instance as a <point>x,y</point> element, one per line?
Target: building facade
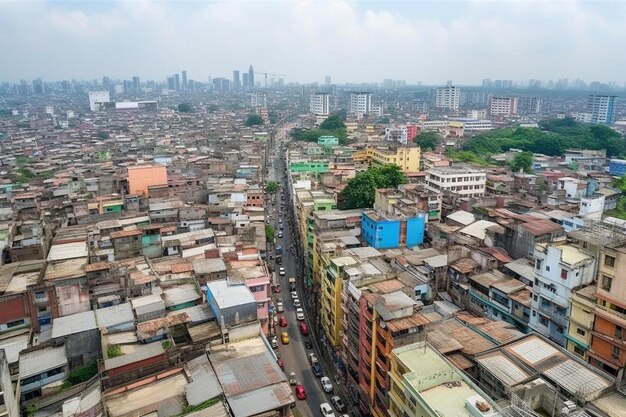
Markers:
<point>503,106</point>
<point>360,103</point>
<point>319,104</point>
<point>448,97</point>
<point>602,109</point>
<point>459,181</point>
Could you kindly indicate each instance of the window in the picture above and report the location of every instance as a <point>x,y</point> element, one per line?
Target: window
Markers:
<point>607,282</point>
<point>609,261</point>
<point>563,273</point>
<point>580,331</point>
<point>543,320</point>
<point>15,323</point>
<point>619,332</point>
<point>537,266</point>
<point>548,268</point>
<point>615,352</point>
<point>579,351</point>
<point>257,288</point>
<point>40,295</point>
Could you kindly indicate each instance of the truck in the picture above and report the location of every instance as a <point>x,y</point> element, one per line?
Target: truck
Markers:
<point>292,284</point>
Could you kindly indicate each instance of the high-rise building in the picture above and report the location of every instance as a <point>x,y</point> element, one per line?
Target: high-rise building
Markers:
<point>327,80</point>
<point>448,97</point>
<point>602,109</point>
<point>503,106</point>
<point>244,80</point>
<point>236,80</point>
<point>251,77</point>
<point>184,80</point>
<point>171,83</point>
<point>128,86</point>
<point>96,97</point>
<point>360,103</point>
<point>38,87</point>
<point>177,82</point>
<point>319,104</point>
<point>529,105</point>
<point>136,83</point>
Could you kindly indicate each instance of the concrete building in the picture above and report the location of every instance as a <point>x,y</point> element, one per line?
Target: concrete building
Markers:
<point>141,177</point>
<point>401,134</point>
<point>408,158</point>
<point>386,231</point>
<point>617,167</point>
<point>503,106</point>
<point>448,97</point>
<point>80,336</point>
<point>319,104</point>
<point>424,383</point>
<point>560,268</point>
<point>9,405</point>
<point>231,305</point>
<point>464,182</point>
<point>602,109</point>
<point>360,103</point>
<point>97,98</point>
<point>41,370</point>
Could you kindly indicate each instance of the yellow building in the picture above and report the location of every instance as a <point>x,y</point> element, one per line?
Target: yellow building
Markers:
<point>425,384</point>
<point>351,127</point>
<point>581,321</point>
<point>408,158</point>
<point>330,297</point>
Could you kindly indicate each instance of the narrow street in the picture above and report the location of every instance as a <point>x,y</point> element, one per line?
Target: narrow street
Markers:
<point>294,355</point>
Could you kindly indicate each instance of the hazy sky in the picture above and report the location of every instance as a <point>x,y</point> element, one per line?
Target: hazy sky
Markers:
<point>354,41</point>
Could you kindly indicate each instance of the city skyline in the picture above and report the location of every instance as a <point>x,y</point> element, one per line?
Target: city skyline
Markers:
<point>424,41</point>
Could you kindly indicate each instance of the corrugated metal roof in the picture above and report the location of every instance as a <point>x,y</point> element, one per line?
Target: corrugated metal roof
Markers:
<point>64,251</point>
<point>114,315</point>
<point>139,353</point>
<point>180,294</point>
<point>75,323</point>
<point>38,361</point>
<point>261,400</point>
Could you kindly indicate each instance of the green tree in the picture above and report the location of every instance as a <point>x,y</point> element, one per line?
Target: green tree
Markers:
<point>185,108</point>
<point>333,122</point>
<point>360,191</point>
<point>523,161</point>
<point>254,120</point>
<point>270,233</point>
<point>272,187</point>
<point>102,134</point>
<point>427,140</point>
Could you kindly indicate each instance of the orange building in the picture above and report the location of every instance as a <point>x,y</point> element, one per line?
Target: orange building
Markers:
<point>141,177</point>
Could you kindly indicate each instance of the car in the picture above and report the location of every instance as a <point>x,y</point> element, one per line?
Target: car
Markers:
<point>300,392</point>
<point>338,403</point>
<point>281,271</point>
<point>327,410</point>
<point>296,302</point>
<point>284,337</point>
<point>279,307</point>
<point>282,321</point>
<point>276,289</point>
<point>274,342</point>
<point>294,294</point>
<point>304,329</point>
<point>280,220</point>
<point>312,358</point>
<point>281,364</point>
<point>292,378</point>
<point>280,235</point>
<point>308,344</point>
<point>281,226</point>
<point>316,369</point>
<point>299,314</point>
<point>326,385</point>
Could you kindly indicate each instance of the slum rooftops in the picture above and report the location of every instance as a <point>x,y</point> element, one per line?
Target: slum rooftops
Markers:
<point>74,323</point>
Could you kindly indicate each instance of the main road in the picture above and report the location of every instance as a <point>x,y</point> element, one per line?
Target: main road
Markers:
<point>294,355</point>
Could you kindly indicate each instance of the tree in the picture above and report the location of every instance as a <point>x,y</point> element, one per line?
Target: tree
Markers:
<point>333,122</point>
<point>102,134</point>
<point>254,120</point>
<point>272,187</point>
<point>360,191</point>
<point>185,108</point>
<point>270,233</point>
<point>427,140</point>
<point>523,161</point>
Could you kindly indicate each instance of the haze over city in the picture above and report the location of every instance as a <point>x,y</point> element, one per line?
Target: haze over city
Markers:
<point>428,42</point>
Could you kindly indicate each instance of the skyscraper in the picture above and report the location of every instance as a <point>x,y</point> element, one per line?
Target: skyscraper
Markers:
<point>448,97</point>
<point>184,80</point>
<point>327,80</point>
<point>136,83</point>
<point>177,81</point>
<point>602,109</point>
<point>360,103</point>
<point>171,83</point>
<point>244,80</point>
<point>236,80</point>
<point>251,77</point>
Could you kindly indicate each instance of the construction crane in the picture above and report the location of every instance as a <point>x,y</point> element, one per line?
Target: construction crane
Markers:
<point>270,74</point>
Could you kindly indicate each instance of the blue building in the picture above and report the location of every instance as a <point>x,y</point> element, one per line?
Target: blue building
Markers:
<point>383,231</point>
<point>617,167</point>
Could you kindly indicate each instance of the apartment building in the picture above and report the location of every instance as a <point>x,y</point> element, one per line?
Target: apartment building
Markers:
<point>601,108</point>
<point>408,158</point>
<point>360,103</point>
<point>448,97</point>
<point>560,268</point>
<point>319,104</point>
<point>503,106</point>
<point>401,134</point>
<point>463,182</point>
<point>408,198</point>
<point>386,231</point>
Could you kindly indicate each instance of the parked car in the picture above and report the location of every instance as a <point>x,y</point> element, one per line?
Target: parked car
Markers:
<point>326,385</point>
<point>327,410</point>
<point>281,271</point>
<point>280,235</point>
<point>276,289</point>
<point>299,314</point>
<point>308,344</point>
<point>304,329</point>
<point>312,358</point>
<point>274,342</point>
<point>294,294</point>
<point>300,392</point>
<point>338,403</point>
<point>292,379</point>
<point>296,302</point>
<point>279,307</point>
<point>282,321</point>
<point>284,337</point>
<point>317,369</point>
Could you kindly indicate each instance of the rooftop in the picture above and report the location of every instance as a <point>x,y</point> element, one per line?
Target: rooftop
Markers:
<point>38,361</point>
<point>72,324</point>
<point>229,295</point>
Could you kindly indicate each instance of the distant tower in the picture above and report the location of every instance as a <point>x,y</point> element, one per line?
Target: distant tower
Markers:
<point>177,81</point>
<point>327,80</point>
<point>251,77</point>
<point>236,80</point>
<point>244,80</point>
<point>136,83</point>
<point>184,80</point>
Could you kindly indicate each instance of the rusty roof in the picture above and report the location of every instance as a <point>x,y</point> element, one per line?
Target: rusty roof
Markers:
<point>125,233</point>
<point>452,335</point>
<point>460,361</point>
<point>98,266</point>
<point>405,323</point>
<point>541,227</point>
<point>465,265</point>
<point>151,327</point>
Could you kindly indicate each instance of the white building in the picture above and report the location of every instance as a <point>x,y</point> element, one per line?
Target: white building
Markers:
<point>448,97</point>
<point>602,109</point>
<point>464,182</point>
<point>559,267</point>
<point>503,106</point>
<point>360,103</point>
<point>397,134</point>
<point>319,104</point>
<point>582,117</point>
<point>96,98</point>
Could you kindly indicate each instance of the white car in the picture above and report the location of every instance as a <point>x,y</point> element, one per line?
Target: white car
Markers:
<point>300,314</point>
<point>281,271</point>
<point>279,307</point>
<point>296,302</point>
<point>326,385</point>
<point>327,410</point>
<point>294,294</point>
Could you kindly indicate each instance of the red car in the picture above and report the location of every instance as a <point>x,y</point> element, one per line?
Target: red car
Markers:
<point>276,289</point>
<point>282,321</point>
<point>304,329</point>
<point>300,392</point>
